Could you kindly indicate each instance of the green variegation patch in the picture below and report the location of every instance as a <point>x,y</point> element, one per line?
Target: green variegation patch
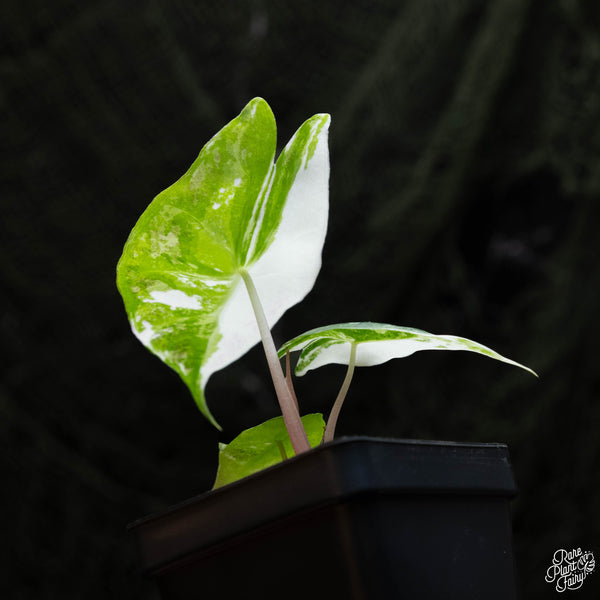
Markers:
<point>262,446</point>
<point>234,212</point>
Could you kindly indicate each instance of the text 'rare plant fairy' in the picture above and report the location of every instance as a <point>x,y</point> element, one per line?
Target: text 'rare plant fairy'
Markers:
<point>218,257</point>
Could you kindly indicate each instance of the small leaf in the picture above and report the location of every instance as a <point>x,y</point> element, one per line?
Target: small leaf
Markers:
<point>260,447</point>
<point>376,343</point>
<point>234,209</point>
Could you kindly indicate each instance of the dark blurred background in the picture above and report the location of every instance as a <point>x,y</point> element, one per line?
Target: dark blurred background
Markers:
<point>465,188</point>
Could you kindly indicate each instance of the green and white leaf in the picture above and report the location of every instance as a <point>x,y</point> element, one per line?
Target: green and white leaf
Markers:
<point>376,343</point>
<point>262,446</point>
<point>233,210</point>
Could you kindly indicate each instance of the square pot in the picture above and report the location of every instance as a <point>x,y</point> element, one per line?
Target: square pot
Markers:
<point>358,518</point>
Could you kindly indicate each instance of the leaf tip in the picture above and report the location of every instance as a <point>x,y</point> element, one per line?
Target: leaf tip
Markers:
<point>200,399</point>
<point>255,105</point>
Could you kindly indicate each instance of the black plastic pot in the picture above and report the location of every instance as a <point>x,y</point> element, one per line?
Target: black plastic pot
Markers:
<point>359,518</point>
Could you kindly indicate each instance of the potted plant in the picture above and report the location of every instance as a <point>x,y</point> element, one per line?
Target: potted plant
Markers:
<point>209,268</point>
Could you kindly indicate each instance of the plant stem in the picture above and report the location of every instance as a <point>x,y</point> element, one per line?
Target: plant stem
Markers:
<point>289,410</point>
<point>337,405</point>
<point>288,378</point>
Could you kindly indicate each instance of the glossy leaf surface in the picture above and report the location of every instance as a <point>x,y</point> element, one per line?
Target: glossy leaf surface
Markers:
<point>233,210</point>
<point>262,446</point>
<point>376,343</point>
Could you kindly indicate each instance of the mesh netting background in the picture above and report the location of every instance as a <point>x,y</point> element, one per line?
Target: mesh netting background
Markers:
<point>465,147</point>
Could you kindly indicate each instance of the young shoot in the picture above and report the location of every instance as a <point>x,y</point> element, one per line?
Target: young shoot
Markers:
<point>368,344</point>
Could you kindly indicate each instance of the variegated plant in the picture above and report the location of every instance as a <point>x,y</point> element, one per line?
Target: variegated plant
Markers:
<point>218,257</point>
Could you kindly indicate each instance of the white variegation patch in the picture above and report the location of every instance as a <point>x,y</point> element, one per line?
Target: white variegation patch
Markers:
<point>235,334</point>
<point>258,211</point>
<point>287,271</point>
<point>146,334</point>
<point>175,299</point>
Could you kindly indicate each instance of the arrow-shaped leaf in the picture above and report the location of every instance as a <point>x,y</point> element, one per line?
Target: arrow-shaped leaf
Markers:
<point>233,212</point>
<point>376,343</point>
